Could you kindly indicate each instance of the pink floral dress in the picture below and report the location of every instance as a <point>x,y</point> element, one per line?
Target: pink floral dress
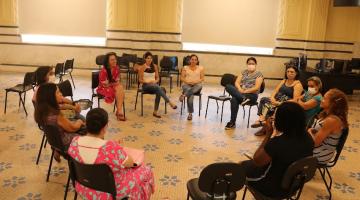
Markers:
<point>108,91</point>
<point>135,183</point>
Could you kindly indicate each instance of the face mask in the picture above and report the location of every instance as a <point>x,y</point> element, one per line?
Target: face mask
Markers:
<point>251,68</point>
<point>52,79</point>
<point>312,90</point>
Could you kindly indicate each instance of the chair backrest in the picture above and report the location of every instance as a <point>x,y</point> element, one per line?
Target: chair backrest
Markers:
<point>65,88</point>
<point>222,178</point>
<point>339,147</point>
<point>59,68</point>
<point>100,59</point>
<point>130,57</point>
<point>174,62</point>
<point>69,65</point>
<point>228,79</point>
<point>94,79</point>
<point>262,87</point>
<point>96,176</point>
<point>186,60</point>
<point>298,173</point>
<point>123,62</point>
<point>29,79</point>
<point>53,136</point>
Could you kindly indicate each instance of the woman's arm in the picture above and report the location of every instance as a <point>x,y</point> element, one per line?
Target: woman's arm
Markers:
<point>237,84</point>
<point>128,162</point>
<point>298,89</point>
<point>141,74</point>
<point>260,157</point>
<point>329,125</point>
<point>312,103</point>
<point>256,87</point>
<point>202,75</point>
<point>183,75</point>
<point>68,125</point>
<point>272,97</point>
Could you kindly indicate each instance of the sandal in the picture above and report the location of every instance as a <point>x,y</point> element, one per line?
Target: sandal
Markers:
<point>156,115</point>
<point>258,124</point>
<point>173,106</point>
<point>189,117</point>
<point>120,117</point>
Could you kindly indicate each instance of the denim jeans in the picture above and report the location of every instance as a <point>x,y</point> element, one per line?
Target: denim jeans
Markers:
<point>158,91</point>
<point>238,98</point>
<point>189,91</point>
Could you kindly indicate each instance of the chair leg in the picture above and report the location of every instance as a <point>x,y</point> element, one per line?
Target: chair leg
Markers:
<point>328,186</point>
<point>249,117</point>
<point>181,109</point>
<point>222,111</point>
<point>41,146</point>
<point>165,107</point>
<point>244,194</point>
<point>45,142</point>
<point>217,107</point>
<point>5,102</point>
<point>137,94</point>
<point>98,102</point>
<point>170,84</point>
<point>142,104</point>
<point>67,187</point>
<point>243,112</point>
<point>124,109</point>
<point>207,105</point>
<point>188,196</point>
<point>72,80</point>
<point>51,159</point>
<point>23,103</point>
<point>199,105</point>
<point>75,197</point>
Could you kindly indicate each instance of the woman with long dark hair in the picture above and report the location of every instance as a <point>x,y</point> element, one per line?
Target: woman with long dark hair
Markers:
<point>109,84</point>
<point>149,78</point>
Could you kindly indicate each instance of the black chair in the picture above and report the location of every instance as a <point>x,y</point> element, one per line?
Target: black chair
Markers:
<point>251,104</point>
<point>94,85</point>
<point>225,80</point>
<point>100,61</point>
<point>96,176</point>
<point>293,181</point>
<point>124,65</point>
<point>217,179</point>
<point>141,91</point>
<point>132,60</point>
<point>59,69</point>
<point>68,68</point>
<point>22,89</point>
<point>66,89</point>
<point>54,138</point>
<point>183,103</point>
<point>324,168</point>
<point>169,64</point>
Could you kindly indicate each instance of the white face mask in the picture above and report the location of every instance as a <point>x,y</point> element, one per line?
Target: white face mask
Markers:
<point>312,90</point>
<point>251,68</point>
<point>52,79</point>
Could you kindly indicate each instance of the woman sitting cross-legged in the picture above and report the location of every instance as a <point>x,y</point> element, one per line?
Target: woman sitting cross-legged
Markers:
<point>133,182</point>
<point>192,76</point>
<point>149,78</point>
<point>109,84</point>
<point>47,112</point>
<point>288,143</point>
<point>327,129</point>
<point>247,87</point>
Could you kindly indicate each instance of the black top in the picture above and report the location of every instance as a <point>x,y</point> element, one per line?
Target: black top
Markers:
<point>284,151</point>
<point>285,93</point>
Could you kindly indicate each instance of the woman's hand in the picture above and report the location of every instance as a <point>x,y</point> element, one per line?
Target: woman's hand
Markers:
<point>77,108</point>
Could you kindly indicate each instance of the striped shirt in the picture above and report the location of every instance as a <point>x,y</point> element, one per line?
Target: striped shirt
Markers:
<point>325,152</point>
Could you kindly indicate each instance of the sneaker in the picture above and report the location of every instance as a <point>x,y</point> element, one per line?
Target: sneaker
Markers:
<point>230,125</point>
<point>245,102</point>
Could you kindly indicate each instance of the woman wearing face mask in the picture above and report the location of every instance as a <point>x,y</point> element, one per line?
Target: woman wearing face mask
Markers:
<point>149,78</point>
<point>310,101</point>
<point>192,76</point>
<point>247,86</point>
<point>46,75</point>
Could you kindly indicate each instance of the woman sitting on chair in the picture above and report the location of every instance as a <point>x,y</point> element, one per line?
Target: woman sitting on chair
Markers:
<point>287,89</point>
<point>134,182</point>
<point>109,84</point>
<point>288,143</point>
<point>47,112</point>
<point>246,89</point>
<point>46,75</point>
<point>149,78</point>
<point>326,131</point>
<point>192,76</point>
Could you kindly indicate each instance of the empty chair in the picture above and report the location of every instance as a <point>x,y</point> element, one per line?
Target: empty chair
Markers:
<point>217,181</point>
<point>22,89</point>
<point>59,71</point>
<point>166,65</point>
<point>66,89</point>
<point>225,80</point>
<point>296,175</point>
<point>68,68</point>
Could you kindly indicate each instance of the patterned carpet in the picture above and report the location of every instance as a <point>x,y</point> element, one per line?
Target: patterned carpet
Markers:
<point>176,150</point>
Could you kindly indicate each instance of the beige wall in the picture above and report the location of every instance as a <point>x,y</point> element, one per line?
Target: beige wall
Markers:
<point>235,22</point>
<point>63,17</point>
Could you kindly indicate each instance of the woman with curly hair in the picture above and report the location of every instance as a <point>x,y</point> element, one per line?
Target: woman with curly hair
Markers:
<point>327,129</point>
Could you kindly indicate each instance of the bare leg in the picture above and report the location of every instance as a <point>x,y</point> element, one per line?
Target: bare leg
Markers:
<point>119,95</point>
